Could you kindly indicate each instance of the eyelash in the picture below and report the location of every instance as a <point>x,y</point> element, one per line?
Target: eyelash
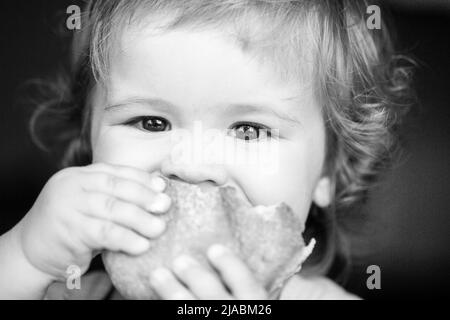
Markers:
<point>138,122</point>
<point>260,129</point>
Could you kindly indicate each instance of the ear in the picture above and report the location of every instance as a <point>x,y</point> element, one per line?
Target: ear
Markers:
<point>322,192</point>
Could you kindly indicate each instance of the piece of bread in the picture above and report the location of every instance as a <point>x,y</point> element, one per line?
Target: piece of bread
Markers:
<point>268,239</point>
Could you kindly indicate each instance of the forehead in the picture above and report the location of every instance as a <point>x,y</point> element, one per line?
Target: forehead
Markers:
<point>208,65</point>
<point>287,46</point>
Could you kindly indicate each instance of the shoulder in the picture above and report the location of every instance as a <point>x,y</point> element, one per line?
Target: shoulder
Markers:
<point>314,288</point>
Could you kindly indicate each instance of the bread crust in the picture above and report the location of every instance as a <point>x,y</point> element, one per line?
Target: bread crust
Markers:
<point>268,239</point>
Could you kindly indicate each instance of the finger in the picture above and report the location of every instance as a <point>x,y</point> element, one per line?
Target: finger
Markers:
<point>152,181</point>
<point>109,208</point>
<point>100,234</point>
<point>127,190</point>
<point>235,273</point>
<point>199,280</point>
<point>168,287</point>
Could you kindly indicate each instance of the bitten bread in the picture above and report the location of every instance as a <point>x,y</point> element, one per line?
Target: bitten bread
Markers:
<point>268,239</point>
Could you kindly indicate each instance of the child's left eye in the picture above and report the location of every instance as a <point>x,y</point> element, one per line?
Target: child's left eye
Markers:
<point>250,131</point>
<point>150,123</point>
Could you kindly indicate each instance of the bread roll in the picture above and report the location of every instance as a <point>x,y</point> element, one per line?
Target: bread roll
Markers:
<point>269,239</point>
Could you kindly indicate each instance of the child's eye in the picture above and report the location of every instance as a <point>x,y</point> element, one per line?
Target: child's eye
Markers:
<point>150,123</point>
<point>250,131</point>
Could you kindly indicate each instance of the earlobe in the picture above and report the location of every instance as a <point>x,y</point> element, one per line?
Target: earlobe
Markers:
<point>322,192</point>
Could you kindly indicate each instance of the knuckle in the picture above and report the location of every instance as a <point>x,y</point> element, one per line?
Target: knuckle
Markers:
<point>133,173</point>
<point>128,170</point>
<point>142,192</point>
<point>63,174</point>
<point>99,166</point>
<point>109,204</point>
<point>124,170</point>
<point>131,188</point>
<point>135,213</point>
<point>121,169</point>
<point>136,190</point>
<point>62,180</point>
<point>112,182</point>
<point>106,232</point>
<point>131,214</point>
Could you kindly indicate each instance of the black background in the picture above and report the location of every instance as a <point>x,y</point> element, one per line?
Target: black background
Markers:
<point>408,235</point>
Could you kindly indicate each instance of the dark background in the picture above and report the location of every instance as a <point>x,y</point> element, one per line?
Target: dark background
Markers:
<point>409,212</point>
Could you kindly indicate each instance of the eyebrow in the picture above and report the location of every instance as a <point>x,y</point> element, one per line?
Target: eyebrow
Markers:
<point>164,105</point>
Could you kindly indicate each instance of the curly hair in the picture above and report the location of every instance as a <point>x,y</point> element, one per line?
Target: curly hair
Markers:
<point>359,81</point>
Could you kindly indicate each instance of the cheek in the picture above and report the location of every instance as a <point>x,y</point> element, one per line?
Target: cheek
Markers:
<point>121,146</point>
<point>293,182</point>
<point>114,145</point>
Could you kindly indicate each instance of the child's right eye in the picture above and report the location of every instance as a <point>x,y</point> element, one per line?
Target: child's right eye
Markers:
<point>150,123</point>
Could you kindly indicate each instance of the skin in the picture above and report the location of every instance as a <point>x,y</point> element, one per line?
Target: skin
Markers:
<point>150,66</point>
<point>114,203</point>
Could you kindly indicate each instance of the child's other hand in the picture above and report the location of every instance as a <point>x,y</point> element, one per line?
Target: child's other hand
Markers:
<point>190,280</point>
<point>83,210</point>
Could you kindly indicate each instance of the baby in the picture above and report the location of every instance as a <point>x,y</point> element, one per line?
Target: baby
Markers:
<point>304,84</point>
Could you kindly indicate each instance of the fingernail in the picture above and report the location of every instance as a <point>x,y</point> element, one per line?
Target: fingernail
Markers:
<point>158,184</point>
<point>157,227</point>
<point>160,203</point>
<point>142,245</point>
<point>160,276</point>
<point>217,250</point>
<point>183,262</point>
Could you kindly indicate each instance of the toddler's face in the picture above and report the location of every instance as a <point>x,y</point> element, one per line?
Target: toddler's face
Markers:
<point>170,94</point>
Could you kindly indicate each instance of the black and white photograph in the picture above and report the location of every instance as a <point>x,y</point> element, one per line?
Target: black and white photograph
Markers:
<point>300,151</point>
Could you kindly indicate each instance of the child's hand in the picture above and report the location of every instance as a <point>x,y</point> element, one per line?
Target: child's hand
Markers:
<point>190,280</point>
<point>82,210</point>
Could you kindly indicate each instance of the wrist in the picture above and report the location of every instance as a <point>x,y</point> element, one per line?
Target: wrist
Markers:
<point>29,275</point>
